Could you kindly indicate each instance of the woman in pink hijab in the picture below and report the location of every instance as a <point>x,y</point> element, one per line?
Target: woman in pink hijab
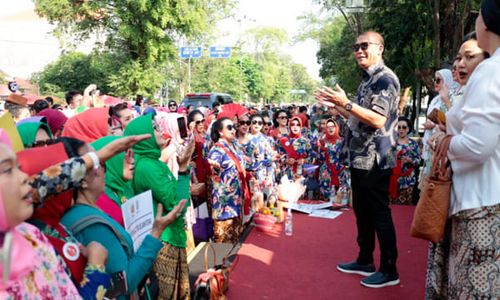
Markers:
<point>176,147</point>
<point>36,271</point>
<point>29,267</point>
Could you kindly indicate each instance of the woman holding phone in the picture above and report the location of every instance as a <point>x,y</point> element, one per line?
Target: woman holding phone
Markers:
<point>153,174</point>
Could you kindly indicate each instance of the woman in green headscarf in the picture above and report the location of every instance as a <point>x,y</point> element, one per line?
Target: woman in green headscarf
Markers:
<point>152,174</point>
<point>119,173</point>
<point>34,134</point>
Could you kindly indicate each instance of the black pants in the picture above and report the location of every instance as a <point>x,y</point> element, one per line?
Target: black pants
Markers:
<point>370,193</point>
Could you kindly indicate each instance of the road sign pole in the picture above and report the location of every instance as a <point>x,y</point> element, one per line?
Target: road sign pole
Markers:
<point>189,75</point>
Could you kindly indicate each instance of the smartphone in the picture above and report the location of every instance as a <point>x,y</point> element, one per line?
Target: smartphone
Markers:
<point>119,285</point>
<point>181,122</point>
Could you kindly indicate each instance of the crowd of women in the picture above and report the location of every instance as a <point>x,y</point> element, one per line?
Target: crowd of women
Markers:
<point>222,159</point>
<point>62,230</point>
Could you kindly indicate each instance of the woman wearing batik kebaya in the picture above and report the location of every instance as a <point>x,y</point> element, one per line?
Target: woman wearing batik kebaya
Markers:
<point>200,169</point>
<point>403,175</point>
<point>295,149</point>
<point>229,182</point>
<point>332,172</point>
<point>280,122</point>
<point>260,152</point>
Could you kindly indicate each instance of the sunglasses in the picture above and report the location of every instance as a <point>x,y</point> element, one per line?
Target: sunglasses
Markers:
<point>402,127</point>
<point>245,123</point>
<point>230,127</point>
<point>172,105</point>
<point>283,118</point>
<point>295,125</point>
<point>437,80</point>
<point>268,123</point>
<point>257,122</point>
<point>42,143</point>
<point>156,127</point>
<point>199,121</point>
<point>363,46</point>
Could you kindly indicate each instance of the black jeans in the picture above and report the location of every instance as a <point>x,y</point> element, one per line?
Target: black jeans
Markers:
<point>370,193</point>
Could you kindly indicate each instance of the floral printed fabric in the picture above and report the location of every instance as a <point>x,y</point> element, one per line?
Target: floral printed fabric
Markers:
<point>303,147</point>
<point>95,279</point>
<point>227,194</point>
<point>409,151</point>
<point>260,152</point>
<point>334,152</point>
<point>58,178</point>
<point>49,280</point>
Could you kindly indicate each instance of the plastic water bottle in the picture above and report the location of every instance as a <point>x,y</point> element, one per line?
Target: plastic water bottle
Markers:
<point>299,170</point>
<point>333,196</point>
<point>344,195</point>
<point>288,223</point>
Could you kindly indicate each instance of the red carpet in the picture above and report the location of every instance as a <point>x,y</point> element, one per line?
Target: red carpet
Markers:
<point>275,266</point>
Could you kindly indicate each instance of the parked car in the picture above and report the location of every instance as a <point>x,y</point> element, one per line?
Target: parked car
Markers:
<point>206,99</point>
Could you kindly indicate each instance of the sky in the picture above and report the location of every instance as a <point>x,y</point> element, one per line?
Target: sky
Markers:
<point>27,46</point>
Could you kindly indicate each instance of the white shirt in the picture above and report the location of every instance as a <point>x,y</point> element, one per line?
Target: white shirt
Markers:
<point>474,151</point>
<point>436,102</point>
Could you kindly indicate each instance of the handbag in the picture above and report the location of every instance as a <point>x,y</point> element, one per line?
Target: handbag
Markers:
<point>431,213</point>
<point>203,229</point>
<point>214,282</point>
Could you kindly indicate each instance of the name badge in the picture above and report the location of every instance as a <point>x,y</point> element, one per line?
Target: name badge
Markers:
<point>71,251</point>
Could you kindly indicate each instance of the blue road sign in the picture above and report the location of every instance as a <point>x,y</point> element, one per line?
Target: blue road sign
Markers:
<point>220,52</point>
<point>190,52</point>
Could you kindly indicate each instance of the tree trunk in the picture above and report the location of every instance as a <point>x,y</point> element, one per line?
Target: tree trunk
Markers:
<point>437,33</point>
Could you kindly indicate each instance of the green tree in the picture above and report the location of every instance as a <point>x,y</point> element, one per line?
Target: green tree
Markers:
<point>142,32</point>
<point>75,71</point>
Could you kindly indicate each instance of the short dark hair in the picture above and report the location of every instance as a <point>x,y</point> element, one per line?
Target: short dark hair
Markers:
<point>56,106</point>
<point>192,114</point>
<point>138,100</point>
<point>69,96</point>
<point>50,100</point>
<point>375,34</point>
<point>113,110</point>
<point>71,145</point>
<point>276,114</point>
<point>408,123</point>
<point>473,36</point>
<point>40,105</point>
<point>13,108</point>
<point>216,127</point>
<point>256,115</point>
<point>303,109</point>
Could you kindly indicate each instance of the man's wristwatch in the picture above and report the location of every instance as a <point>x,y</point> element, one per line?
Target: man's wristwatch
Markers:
<point>348,106</point>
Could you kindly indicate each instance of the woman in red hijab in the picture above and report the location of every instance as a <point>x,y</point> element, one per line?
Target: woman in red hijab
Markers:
<point>295,149</point>
<point>56,120</point>
<point>89,125</point>
<point>332,171</point>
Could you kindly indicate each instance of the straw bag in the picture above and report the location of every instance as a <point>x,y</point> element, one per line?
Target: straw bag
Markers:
<point>431,213</point>
<point>214,283</point>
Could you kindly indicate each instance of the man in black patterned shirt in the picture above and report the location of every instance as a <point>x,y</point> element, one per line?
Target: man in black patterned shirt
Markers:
<point>371,144</point>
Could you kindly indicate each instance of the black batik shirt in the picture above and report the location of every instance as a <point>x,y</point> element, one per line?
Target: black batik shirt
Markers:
<point>367,146</point>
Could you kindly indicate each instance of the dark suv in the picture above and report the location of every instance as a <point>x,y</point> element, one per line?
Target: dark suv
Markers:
<point>206,99</point>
